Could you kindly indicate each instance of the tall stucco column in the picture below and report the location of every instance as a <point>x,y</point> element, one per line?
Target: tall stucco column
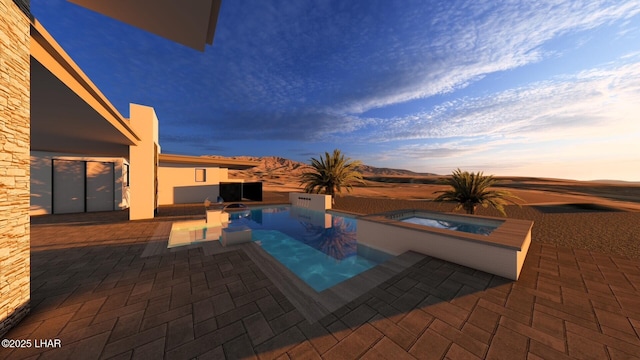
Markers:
<point>15,288</point>
<point>143,163</point>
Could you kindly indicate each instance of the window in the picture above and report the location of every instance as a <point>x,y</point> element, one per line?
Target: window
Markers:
<point>201,175</point>
<point>125,175</point>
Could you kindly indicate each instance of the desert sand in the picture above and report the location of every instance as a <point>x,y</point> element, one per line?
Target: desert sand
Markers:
<point>596,216</point>
<point>602,216</point>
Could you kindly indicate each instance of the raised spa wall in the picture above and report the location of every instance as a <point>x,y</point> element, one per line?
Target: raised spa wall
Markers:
<point>500,253</point>
<point>317,202</point>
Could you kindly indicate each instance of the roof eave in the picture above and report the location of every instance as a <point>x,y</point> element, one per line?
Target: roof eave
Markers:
<point>206,161</point>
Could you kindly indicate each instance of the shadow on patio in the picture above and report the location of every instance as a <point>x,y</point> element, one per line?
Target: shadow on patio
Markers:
<point>108,300</point>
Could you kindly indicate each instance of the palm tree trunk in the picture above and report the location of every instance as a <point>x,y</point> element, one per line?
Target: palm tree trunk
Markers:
<point>331,192</point>
<point>470,208</point>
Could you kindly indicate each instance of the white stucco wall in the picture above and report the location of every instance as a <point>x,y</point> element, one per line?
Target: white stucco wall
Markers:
<point>177,183</point>
<point>318,202</point>
<point>42,180</point>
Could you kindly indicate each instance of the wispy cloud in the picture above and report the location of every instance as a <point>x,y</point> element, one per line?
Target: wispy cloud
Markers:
<point>277,63</point>
<point>419,80</point>
<point>300,125</point>
<point>584,104</point>
<point>308,73</point>
<point>450,49</point>
<point>576,104</point>
<point>572,120</point>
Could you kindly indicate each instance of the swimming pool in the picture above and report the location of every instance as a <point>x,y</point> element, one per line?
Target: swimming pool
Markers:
<point>319,248</point>
<point>449,224</point>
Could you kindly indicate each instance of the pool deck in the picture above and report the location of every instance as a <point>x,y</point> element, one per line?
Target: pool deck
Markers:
<point>107,289</point>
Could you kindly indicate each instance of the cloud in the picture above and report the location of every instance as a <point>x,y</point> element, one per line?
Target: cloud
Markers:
<point>440,149</point>
<point>191,143</point>
<point>451,49</point>
<point>295,124</point>
<point>550,128</point>
<point>309,71</point>
<point>306,154</point>
<point>353,57</point>
<point>587,104</point>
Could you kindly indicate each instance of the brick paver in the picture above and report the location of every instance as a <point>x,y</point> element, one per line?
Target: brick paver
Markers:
<point>93,289</point>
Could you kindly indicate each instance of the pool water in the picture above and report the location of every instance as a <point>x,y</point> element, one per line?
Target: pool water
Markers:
<point>320,248</point>
<point>451,225</point>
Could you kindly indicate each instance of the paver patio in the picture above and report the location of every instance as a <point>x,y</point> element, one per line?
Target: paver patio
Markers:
<point>93,289</point>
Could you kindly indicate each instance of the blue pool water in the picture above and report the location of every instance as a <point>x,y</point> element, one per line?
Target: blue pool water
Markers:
<point>319,248</point>
<point>451,225</point>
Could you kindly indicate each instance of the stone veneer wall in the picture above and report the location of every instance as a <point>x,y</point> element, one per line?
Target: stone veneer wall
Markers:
<point>14,163</point>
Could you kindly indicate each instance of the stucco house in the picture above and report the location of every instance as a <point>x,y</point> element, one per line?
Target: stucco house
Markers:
<point>65,148</point>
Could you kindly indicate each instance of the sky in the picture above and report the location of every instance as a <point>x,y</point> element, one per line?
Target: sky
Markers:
<point>510,88</point>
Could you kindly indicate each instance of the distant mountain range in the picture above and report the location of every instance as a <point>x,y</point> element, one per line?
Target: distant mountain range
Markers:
<point>620,182</point>
<point>277,166</point>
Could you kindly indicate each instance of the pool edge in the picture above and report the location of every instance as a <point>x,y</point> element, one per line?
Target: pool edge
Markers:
<point>502,252</point>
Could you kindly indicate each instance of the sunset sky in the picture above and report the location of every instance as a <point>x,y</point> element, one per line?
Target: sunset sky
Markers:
<point>531,88</point>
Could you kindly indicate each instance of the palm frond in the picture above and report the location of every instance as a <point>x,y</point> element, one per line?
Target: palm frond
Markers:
<point>472,189</point>
<point>331,174</point>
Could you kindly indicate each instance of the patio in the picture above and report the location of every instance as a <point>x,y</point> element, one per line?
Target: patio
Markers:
<point>93,289</point>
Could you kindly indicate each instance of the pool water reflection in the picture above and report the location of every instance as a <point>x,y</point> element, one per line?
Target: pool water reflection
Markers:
<point>319,248</point>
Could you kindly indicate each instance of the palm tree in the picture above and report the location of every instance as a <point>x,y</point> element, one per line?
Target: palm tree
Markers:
<point>330,174</point>
<point>472,189</point>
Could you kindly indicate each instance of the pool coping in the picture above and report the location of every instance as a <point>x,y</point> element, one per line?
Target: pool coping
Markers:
<point>500,253</point>
<point>315,305</point>
<point>502,236</point>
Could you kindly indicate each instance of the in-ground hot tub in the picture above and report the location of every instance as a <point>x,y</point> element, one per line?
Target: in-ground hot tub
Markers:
<point>495,245</point>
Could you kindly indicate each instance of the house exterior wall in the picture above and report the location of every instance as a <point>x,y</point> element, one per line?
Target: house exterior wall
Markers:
<point>177,183</point>
<point>42,184</point>
<point>143,159</point>
<point>14,165</point>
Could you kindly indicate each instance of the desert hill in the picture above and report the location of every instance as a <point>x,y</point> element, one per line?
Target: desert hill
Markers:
<point>275,166</point>
<point>281,175</point>
<point>367,170</point>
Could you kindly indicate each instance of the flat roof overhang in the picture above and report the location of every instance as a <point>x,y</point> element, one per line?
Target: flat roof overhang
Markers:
<point>191,23</point>
<point>68,112</point>
<point>233,164</point>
